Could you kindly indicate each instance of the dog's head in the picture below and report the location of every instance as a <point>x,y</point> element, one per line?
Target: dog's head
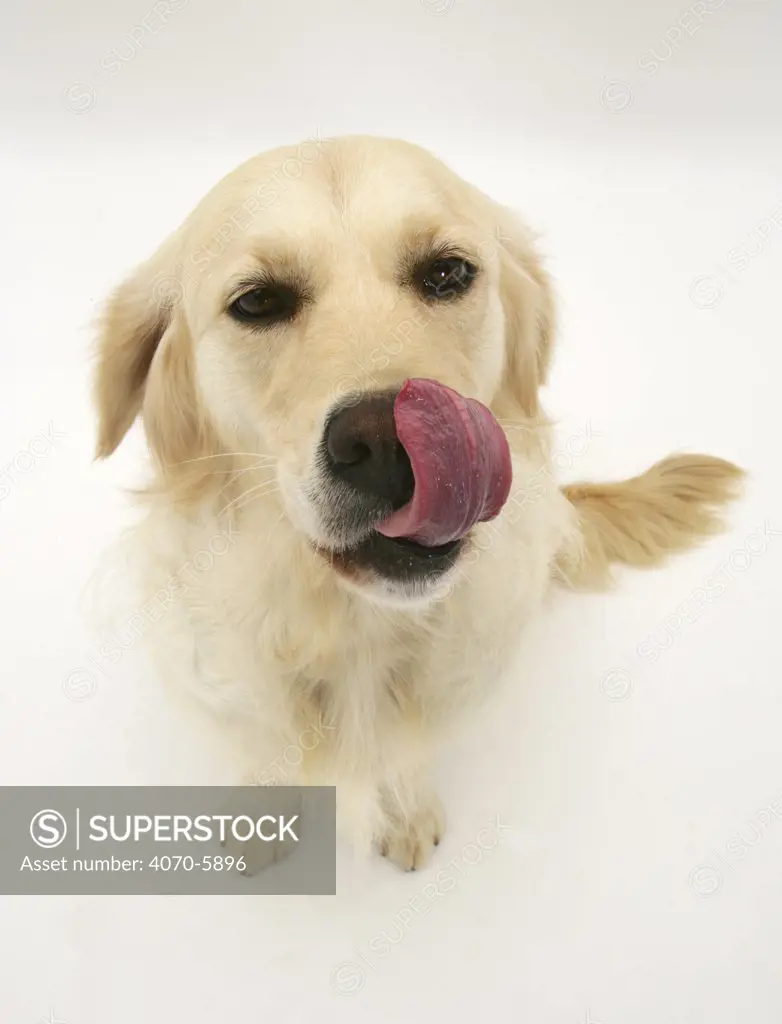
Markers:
<point>275,329</point>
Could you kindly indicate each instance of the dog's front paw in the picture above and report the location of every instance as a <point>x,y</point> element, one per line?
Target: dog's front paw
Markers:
<point>410,842</point>
<point>255,854</point>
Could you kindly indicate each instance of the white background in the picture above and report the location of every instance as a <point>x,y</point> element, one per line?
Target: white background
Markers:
<point>619,895</point>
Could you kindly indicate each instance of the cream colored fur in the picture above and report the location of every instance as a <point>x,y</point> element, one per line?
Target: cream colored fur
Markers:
<point>321,679</point>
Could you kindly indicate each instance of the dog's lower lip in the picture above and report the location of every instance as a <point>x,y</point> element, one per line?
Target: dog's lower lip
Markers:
<point>397,560</point>
<point>421,549</point>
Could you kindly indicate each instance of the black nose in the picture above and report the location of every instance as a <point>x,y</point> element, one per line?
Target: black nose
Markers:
<point>362,449</point>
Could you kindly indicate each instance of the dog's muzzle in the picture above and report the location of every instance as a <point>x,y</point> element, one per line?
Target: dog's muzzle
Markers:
<point>410,472</point>
<point>367,475</point>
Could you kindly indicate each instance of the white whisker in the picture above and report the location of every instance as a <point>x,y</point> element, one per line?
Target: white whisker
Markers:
<point>267,487</point>
<point>241,472</point>
<point>225,455</point>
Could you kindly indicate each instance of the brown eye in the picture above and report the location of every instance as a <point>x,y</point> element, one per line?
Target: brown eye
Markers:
<point>262,306</point>
<point>446,277</point>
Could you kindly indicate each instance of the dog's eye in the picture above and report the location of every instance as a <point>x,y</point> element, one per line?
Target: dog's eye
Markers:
<point>264,305</point>
<point>446,277</point>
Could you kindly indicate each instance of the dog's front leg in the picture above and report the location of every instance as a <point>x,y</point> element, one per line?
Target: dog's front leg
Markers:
<point>264,789</point>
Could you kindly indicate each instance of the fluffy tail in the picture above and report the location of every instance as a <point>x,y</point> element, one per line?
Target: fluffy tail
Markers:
<point>643,520</point>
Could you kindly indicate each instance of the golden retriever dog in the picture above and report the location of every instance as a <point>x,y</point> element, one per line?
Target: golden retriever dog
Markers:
<point>337,361</point>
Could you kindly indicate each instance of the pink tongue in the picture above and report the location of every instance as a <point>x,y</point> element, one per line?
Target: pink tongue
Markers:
<point>460,460</point>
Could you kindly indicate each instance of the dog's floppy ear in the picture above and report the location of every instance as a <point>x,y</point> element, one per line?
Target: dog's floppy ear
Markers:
<point>137,317</point>
<point>528,305</point>
<point>146,364</point>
